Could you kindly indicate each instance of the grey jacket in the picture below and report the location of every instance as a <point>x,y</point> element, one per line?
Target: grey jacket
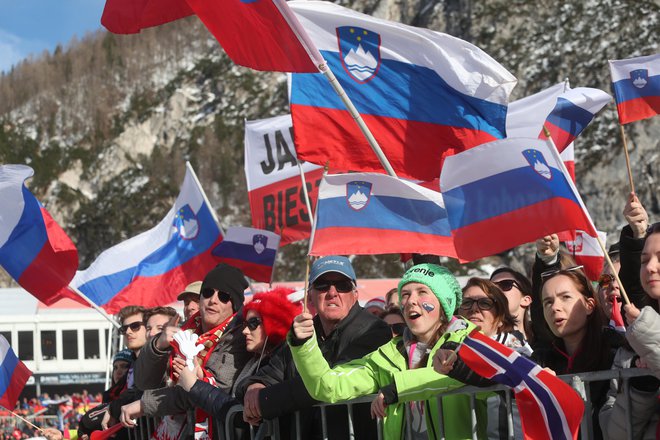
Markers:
<point>644,337</point>
<point>225,363</point>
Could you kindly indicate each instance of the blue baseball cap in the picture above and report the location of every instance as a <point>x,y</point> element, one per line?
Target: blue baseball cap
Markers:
<point>332,263</point>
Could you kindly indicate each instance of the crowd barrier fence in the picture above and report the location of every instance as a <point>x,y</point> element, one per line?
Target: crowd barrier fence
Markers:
<point>579,382</point>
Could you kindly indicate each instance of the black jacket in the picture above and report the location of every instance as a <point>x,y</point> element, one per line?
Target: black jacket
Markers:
<point>631,255</point>
<point>356,335</point>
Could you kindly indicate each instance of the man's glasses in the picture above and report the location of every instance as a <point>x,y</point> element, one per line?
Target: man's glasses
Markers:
<point>222,296</point>
<point>342,286</point>
<point>482,304</point>
<point>253,323</point>
<point>605,281</point>
<point>506,285</point>
<point>551,273</point>
<point>134,326</point>
<point>398,328</point>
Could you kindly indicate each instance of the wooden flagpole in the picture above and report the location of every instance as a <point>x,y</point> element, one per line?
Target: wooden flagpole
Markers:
<point>555,152</point>
<point>308,202</point>
<point>24,420</point>
<point>625,151</point>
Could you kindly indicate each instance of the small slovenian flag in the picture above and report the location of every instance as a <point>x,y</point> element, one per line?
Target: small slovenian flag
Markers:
<point>13,375</point>
<point>251,250</point>
<point>549,408</point>
<point>636,85</point>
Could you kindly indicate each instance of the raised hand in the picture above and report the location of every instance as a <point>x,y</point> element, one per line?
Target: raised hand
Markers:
<point>165,339</point>
<point>187,342</point>
<point>303,326</point>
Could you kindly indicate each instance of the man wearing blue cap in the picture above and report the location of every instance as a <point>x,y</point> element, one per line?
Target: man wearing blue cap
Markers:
<point>345,331</point>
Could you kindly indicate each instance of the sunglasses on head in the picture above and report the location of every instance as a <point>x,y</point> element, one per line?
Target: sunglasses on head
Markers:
<point>506,285</point>
<point>605,281</point>
<point>551,273</point>
<point>252,323</point>
<point>208,293</point>
<point>342,286</point>
<point>134,326</point>
<point>398,328</point>
<point>482,304</point>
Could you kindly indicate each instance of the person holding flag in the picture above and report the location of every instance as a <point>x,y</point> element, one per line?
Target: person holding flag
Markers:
<point>429,296</point>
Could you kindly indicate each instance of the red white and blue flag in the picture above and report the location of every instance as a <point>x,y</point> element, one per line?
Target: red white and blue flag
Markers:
<point>260,34</point>
<point>506,193</point>
<point>251,250</point>
<point>616,320</point>
<point>34,250</point>
<point>366,213</point>
<point>587,252</point>
<point>636,84</point>
<point>152,267</point>
<point>549,408</point>
<point>275,189</point>
<point>423,94</point>
<point>13,375</point>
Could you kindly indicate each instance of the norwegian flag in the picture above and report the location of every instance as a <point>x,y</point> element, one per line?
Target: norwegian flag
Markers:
<point>549,408</point>
<point>616,321</point>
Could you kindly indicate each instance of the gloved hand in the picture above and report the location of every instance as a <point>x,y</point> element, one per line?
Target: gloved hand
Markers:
<point>187,343</point>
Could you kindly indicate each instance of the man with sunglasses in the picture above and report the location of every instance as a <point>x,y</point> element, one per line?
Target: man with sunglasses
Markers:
<point>345,331</point>
<point>218,326</point>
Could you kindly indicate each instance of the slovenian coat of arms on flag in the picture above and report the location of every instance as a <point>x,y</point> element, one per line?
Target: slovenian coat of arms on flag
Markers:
<point>358,194</point>
<point>538,163</point>
<point>185,223</point>
<point>359,50</point>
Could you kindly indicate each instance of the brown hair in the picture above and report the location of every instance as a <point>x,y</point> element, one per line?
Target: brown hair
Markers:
<point>127,311</point>
<point>159,310</point>
<point>501,303</point>
<point>525,287</point>
<point>594,349</point>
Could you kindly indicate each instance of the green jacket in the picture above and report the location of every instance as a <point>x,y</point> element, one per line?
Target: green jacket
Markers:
<point>382,367</point>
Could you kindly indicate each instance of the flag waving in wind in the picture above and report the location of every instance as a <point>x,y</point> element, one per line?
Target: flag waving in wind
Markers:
<point>13,375</point>
<point>150,269</point>
<point>587,252</point>
<point>549,408</point>
<point>424,95</point>
<point>251,250</point>
<point>260,34</point>
<point>34,249</point>
<point>636,84</point>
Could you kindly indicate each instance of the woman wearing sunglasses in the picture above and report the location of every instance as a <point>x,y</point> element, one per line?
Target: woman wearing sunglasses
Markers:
<point>267,319</point>
<point>518,291</point>
<point>401,370</point>
<point>643,334</point>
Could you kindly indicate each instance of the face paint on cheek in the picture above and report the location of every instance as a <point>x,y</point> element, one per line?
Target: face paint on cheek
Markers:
<point>428,307</point>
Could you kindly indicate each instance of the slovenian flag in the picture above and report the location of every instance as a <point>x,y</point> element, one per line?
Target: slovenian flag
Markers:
<point>636,85</point>
<point>152,267</point>
<point>34,249</point>
<point>423,94</point>
<point>13,375</point>
<point>549,408</point>
<point>366,213</point>
<point>506,193</point>
<point>251,250</point>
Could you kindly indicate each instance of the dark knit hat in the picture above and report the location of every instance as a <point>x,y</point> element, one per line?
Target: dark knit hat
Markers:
<point>229,280</point>
<point>276,312</point>
<point>123,355</point>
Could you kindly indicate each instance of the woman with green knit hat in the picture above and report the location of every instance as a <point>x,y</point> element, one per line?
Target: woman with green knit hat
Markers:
<point>401,370</point>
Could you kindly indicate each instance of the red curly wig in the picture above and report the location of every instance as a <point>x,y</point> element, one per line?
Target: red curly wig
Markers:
<point>276,312</point>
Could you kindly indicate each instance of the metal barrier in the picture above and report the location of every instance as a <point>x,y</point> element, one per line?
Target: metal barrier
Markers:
<point>270,429</point>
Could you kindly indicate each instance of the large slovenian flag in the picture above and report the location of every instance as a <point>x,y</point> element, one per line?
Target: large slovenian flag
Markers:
<point>251,250</point>
<point>506,193</point>
<point>424,95</point>
<point>636,85</point>
<point>549,408</point>
<point>260,34</point>
<point>34,249</point>
<point>151,268</point>
<point>366,213</point>
<point>13,375</point>
<point>587,252</point>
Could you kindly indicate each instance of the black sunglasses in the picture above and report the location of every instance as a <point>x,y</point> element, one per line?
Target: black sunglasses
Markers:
<point>506,285</point>
<point>342,286</point>
<point>253,323</point>
<point>222,296</point>
<point>551,273</point>
<point>398,328</point>
<point>134,326</point>
<point>482,304</point>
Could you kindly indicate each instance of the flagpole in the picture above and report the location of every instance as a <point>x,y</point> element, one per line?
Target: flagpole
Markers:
<point>306,285</point>
<point>323,67</point>
<point>94,306</point>
<point>555,153</point>
<point>206,199</point>
<point>24,419</point>
<point>308,202</point>
<point>625,151</point>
